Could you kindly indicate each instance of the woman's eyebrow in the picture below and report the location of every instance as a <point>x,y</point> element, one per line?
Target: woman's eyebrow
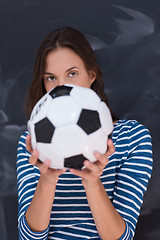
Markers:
<point>47,73</point>
<point>72,68</point>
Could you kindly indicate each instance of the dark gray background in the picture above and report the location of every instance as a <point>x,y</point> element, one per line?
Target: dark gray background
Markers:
<point>126,38</point>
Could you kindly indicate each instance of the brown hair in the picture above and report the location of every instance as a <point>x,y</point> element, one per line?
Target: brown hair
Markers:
<point>73,39</point>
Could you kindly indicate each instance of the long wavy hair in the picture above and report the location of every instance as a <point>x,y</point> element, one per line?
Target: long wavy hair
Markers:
<point>69,38</point>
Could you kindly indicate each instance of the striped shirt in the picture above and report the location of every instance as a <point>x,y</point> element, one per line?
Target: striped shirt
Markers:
<point>125,179</point>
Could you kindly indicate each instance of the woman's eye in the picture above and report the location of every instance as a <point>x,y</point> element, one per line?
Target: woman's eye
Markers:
<point>73,74</point>
<point>50,78</point>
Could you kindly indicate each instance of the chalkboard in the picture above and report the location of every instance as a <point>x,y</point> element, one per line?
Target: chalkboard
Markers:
<point>125,36</point>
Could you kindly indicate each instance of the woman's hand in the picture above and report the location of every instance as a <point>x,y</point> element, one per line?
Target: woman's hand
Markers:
<point>92,171</point>
<point>48,175</point>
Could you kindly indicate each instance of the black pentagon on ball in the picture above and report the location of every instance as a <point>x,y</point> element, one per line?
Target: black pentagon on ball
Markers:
<point>44,130</point>
<point>75,162</point>
<point>60,91</point>
<point>89,121</point>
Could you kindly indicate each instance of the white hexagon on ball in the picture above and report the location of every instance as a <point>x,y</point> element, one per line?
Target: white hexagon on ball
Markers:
<point>69,140</point>
<point>65,111</point>
<point>86,99</point>
<point>105,118</point>
<point>96,141</point>
<point>51,153</point>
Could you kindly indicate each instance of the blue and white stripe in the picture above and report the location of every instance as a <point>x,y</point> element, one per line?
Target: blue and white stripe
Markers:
<point>125,179</point>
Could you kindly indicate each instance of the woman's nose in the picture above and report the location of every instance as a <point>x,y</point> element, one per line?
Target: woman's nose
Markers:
<point>61,82</point>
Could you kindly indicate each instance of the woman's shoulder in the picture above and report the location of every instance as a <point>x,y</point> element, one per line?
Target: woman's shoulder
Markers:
<point>130,129</point>
<point>129,125</point>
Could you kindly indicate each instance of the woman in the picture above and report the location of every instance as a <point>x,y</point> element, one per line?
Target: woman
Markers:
<point>103,200</point>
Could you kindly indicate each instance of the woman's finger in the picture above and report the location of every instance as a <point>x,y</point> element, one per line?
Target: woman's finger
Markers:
<point>102,159</point>
<point>34,157</point>
<point>111,148</point>
<point>28,144</point>
<point>44,166</point>
<point>61,171</point>
<point>95,167</point>
<point>82,174</point>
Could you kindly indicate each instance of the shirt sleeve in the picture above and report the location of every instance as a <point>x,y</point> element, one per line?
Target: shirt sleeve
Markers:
<point>132,178</point>
<point>27,178</point>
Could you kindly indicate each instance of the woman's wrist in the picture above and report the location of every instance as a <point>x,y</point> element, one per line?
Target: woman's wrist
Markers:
<point>90,184</point>
<point>46,183</point>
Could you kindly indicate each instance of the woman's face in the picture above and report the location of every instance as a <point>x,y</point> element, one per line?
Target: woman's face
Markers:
<point>64,66</point>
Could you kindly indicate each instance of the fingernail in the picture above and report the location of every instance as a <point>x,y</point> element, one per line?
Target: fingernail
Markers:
<point>34,153</point>
<point>96,154</point>
<point>86,162</point>
<point>28,137</point>
<point>47,162</point>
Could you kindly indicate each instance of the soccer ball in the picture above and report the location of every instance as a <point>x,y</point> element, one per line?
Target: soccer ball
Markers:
<point>68,124</point>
